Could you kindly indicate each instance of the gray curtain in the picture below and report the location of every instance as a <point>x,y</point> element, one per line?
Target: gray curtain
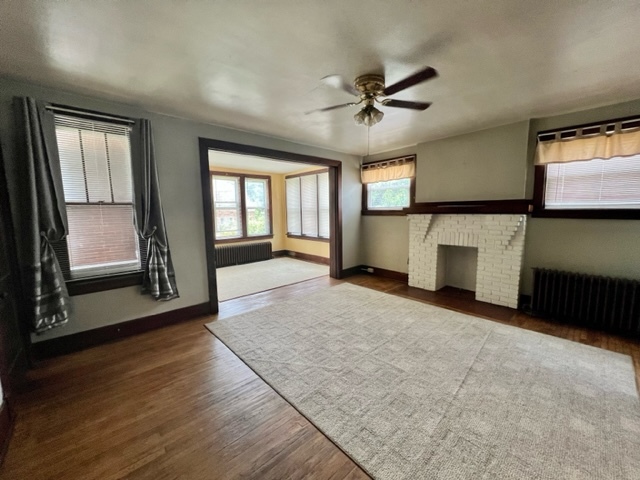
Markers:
<point>41,219</point>
<point>159,278</point>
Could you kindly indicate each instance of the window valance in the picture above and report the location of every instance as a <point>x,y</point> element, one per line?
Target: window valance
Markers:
<point>618,139</point>
<point>394,169</point>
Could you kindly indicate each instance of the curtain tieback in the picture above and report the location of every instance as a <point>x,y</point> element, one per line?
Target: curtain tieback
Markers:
<point>150,234</point>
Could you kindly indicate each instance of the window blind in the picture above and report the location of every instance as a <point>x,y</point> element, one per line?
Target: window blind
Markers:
<point>95,162</point>
<point>323,205</point>
<point>598,183</point>
<point>294,221</point>
<point>95,159</point>
<point>308,205</point>
<point>309,188</point>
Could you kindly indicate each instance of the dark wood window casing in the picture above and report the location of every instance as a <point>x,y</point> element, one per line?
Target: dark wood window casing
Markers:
<point>100,281</point>
<point>540,172</point>
<point>398,212</point>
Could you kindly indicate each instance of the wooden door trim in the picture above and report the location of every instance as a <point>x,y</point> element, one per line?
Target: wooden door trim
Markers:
<point>335,195</point>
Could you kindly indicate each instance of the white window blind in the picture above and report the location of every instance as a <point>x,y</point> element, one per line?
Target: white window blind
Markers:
<point>323,205</point>
<point>95,162</point>
<point>226,207</point>
<point>308,205</point>
<point>597,183</point>
<point>309,188</point>
<point>294,220</point>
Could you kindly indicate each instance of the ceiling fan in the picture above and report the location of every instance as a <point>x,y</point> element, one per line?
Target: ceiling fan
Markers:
<point>371,89</point>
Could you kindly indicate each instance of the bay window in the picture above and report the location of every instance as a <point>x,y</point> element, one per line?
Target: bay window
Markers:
<point>241,206</point>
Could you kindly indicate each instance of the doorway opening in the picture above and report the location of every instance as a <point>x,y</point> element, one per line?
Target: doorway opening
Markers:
<point>261,204</point>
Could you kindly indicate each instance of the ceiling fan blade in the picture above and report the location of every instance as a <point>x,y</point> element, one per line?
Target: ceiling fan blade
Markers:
<point>334,107</point>
<point>405,104</point>
<point>418,77</point>
<point>336,81</point>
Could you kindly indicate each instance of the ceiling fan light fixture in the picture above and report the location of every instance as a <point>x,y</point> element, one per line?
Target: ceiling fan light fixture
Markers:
<point>375,116</point>
<point>369,116</point>
<point>360,117</point>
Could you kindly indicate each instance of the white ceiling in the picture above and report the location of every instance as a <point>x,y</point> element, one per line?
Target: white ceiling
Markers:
<point>251,163</point>
<point>255,65</point>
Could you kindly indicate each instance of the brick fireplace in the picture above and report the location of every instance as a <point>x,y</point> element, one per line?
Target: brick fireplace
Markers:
<point>498,238</point>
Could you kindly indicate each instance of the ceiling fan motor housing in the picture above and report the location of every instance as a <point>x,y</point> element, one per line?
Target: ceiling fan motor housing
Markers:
<point>370,85</point>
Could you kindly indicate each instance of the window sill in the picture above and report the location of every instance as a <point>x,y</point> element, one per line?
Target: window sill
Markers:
<point>82,286</point>
<point>243,239</point>
<point>396,213</point>
<point>313,239</point>
<point>617,214</point>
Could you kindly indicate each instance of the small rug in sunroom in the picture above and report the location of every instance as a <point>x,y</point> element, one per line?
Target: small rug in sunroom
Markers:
<point>240,280</point>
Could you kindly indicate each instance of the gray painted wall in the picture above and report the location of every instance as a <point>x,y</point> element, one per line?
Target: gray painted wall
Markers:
<point>385,242</point>
<point>176,142</point>
<point>485,165</point>
<point>498,164</point>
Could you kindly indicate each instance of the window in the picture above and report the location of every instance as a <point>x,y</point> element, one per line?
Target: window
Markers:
<point>95,162</point>
<point>591,171</point>
<point>257,200</point>
<point>388,186</point>
<point>308,205</point>
<point>390,195</point>
<point>241,206</point>
<point>613,183</point>
<point>227,207</point>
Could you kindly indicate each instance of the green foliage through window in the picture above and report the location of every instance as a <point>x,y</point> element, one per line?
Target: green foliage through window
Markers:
<point>391,195</point>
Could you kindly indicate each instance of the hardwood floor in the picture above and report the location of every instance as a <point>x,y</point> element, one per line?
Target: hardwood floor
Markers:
<point>176,403</point>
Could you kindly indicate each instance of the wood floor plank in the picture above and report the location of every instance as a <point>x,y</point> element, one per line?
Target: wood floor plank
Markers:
<point>177,403</point>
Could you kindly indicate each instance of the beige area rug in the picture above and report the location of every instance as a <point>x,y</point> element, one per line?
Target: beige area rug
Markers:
<point>413,391</point>
<point>240,280</point>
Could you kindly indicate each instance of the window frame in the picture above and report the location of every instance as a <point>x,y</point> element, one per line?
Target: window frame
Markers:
<point>243,208</point>
<point>540,179</point>
<point>308,237</point>
<point>365,210</point>
<point>107,281</point>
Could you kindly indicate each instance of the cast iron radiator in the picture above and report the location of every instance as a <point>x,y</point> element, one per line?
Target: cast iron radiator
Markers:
<point>237,254</point>
<point>600,302</point>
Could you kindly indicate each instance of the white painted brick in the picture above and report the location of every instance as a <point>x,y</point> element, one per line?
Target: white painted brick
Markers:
<point>498,238</point>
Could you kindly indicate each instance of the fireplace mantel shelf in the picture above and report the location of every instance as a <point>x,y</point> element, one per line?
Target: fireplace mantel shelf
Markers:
<point>475,206</point>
